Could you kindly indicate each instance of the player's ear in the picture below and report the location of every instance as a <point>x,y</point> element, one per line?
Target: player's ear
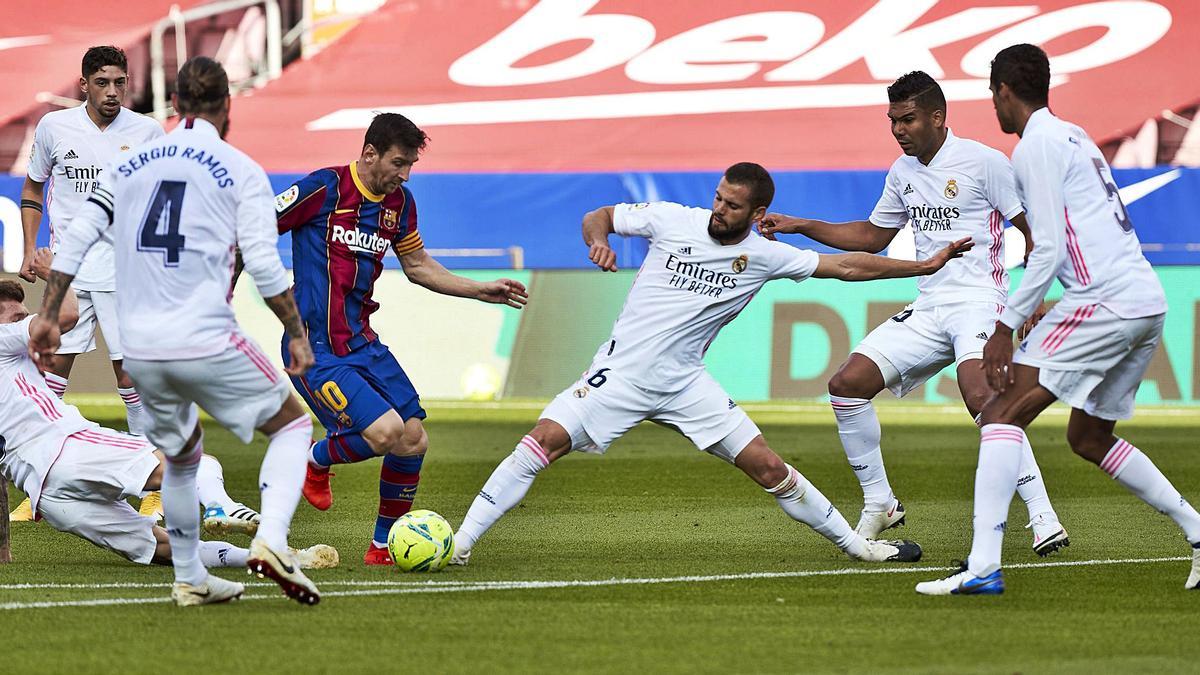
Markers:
<point>83,84</point>
<point>758,214</point>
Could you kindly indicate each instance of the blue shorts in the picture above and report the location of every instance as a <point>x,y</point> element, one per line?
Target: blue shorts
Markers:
<point>348,393</point>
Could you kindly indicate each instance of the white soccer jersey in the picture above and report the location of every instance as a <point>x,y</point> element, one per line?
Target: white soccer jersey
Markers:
<point>1081,232</point>
<point>176,208</point>
<point>688,288</point>
<point>33,421</point>
<point>967,190</point>
<point>70,152</point>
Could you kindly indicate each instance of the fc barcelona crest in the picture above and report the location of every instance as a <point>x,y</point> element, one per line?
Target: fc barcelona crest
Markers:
<point>951,189</point>
<point>390,219</point>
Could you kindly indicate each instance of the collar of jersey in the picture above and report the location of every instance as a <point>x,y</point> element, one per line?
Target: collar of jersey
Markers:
<point>950,138</point>
<point>1037,117</point>
<point>359,184</point>
<point>88,118</point>
<point>201,125</point>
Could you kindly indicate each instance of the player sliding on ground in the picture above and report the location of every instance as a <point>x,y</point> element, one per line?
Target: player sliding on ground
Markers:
<point>1091,350</point>
<point>944,187</point>
<point>175,209</point>
<point>343,219</point>
<point>78,474</point>
<point>703,267</point>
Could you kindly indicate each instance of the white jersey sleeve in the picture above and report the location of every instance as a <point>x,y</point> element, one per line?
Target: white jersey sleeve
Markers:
<point>1042,172</point>
<point>86,228</point>
<point>647,219</point>
<point>256,234</point>
<point>1000,185</point>
<point>41,156</point>
<point>890,210</point>
<point>792,263</point>
<point>14,337</point>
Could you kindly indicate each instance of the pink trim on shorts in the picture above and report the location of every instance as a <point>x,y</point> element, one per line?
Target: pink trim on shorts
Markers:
<point>1060,333</point>
<point>256,357</point>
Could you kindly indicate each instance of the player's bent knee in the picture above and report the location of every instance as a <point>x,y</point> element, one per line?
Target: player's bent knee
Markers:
<point>1088,443</point>
<point>761,464</point>
<point>554,440</point>
<point>857,377</point>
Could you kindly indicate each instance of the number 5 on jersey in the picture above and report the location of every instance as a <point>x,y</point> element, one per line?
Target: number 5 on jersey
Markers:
<point>157,235</point>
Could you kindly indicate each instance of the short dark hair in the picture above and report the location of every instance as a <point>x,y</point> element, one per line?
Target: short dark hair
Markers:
<point>755,177</point>
<point>389,130</point>
<point>10,289</point>
<point>96,58</point>
<point>1025,69</point>
<point>202,86</point>
<point>920,88</point>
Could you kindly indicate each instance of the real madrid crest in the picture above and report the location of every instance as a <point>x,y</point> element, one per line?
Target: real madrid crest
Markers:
<point>739,265</point>
<point>124,148</point>
<point>581,392</point>
<point>951,189</point>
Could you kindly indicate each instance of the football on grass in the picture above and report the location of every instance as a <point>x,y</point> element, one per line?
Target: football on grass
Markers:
<point>421,541</point>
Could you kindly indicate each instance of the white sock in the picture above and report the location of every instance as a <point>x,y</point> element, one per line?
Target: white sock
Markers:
<point>995,483</point>
<point>280,479</point>
<point>858,427</point>
<point>504,489</point>
<point>182,518</point>
<point>135,415</point>
<point>1133,469</point>
<point>222,554</point>
<point>1030,485</point>
<point>210,485</point>
<point>57,384</point>
<point>801,500</point>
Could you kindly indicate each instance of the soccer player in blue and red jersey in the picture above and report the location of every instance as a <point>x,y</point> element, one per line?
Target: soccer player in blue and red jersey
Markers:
<point>342,220</point>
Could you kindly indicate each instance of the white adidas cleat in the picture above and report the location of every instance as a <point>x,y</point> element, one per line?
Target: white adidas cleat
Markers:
<point>283,569</point>
<point>318,557</point>
<point>460,557</point>
<point>883,550</point>
<point>241,520</point>
<point>873,522</point>
<point>214,590</point>
<point>1193,582</point>
<point>1048,535</point>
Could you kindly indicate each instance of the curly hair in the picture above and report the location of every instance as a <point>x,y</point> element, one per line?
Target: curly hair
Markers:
<point>919,88</point>
<point>96,58</point>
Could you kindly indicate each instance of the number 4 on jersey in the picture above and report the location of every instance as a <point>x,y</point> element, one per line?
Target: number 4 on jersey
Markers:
<point>165,205</point>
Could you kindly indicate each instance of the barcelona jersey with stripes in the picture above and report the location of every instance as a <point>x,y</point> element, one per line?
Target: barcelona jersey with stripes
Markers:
<point>340,233</point>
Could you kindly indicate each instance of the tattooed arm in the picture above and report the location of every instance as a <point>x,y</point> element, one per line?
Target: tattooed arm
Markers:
<point>284,307</point>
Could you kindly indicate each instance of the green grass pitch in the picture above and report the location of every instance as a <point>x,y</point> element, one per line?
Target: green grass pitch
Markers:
<point>672,543</point>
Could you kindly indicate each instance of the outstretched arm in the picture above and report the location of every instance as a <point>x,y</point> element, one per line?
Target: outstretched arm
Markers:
<point>859,235</point>
<point>597,225</point>
<point>422,269</point>
<point>866,267</point>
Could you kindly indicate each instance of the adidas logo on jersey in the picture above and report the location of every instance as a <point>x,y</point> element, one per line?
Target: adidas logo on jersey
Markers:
<point>685,250</point>
<point>70,155</point>
<point>982,336</point>
<point>358,240</point>
<point>908,190</point>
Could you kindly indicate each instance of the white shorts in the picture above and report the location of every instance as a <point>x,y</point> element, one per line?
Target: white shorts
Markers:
<point>95,308</point>
<point>238,387</point>
<point>601,407</point>
<point>86,487</point>
<point>1092,359</point>
<point>917,344</point>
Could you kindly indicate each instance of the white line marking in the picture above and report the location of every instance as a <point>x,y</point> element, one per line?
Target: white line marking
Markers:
<point>408,587</point>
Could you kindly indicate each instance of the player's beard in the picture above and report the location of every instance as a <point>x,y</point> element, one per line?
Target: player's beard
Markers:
<point>727,232</point>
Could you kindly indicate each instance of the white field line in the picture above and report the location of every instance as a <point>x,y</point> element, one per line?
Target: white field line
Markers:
<point>409,587</point>
<point>798,407</point>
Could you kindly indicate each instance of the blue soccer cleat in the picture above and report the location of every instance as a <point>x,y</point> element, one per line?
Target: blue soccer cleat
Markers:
<point>963,582</point>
